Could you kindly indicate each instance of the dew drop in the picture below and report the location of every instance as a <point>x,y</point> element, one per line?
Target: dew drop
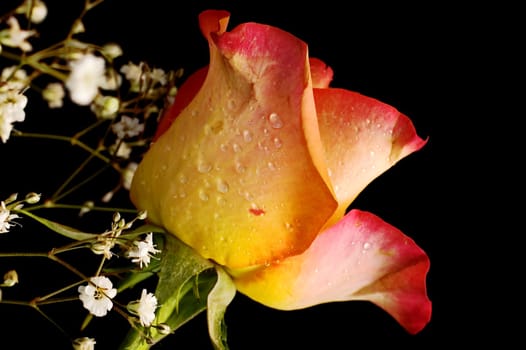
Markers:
<point>221,201</point>
<point>236,148</point>
<point>223,147</point>
<point>271,166</point>
<point>366,245</point>
<point>222,186</point>
<point>247,136</point>
<point>277,142</point>
<point>248,196</point>
<point>275,120</point>
<point>240,168</point>
<point>203,195</point>
<point>203,167</point>
<point>183,179</point>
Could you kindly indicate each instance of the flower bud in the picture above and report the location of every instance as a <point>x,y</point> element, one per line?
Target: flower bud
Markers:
<point>32,198</point>
<point>143,214</point>
<point>10,278</point>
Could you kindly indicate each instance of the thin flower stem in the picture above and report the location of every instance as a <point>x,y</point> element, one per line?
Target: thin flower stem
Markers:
<point>45,299</point>
<point>73,141</point>
<point>50,320</point>
<point>53,205</point>
<point>89,128</point>
<point>50,255</point>
<point>57,195</point>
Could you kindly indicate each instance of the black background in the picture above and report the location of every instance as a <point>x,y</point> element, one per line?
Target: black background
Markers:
<point>415,58</point>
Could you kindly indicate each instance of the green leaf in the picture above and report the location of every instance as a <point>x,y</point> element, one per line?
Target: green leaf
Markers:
<point>64,230</point>
<point>185,281</point>
<point>218,300</point>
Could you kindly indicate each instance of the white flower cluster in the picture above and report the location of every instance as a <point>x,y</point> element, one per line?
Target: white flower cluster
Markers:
<point>12,100</point>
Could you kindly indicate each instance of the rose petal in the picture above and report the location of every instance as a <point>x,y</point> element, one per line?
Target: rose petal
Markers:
<point>236,176</point>
<point>321,73</point>
<point>359,258</point>
<point>363,137</point>
<point>184,96</point>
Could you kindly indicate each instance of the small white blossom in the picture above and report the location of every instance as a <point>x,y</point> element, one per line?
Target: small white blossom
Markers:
<point>78,27</point>
<point>38,10</point>
<point>105,107</point>
<point>112,50</point>
<point>84,343</point>
<point>127,127</point>
<point>134,74</point>
<point>12,104</point>
<point>54,94</point>
<point>142,251</point>
<point>10,278</point>
<point>123,151</point>
<point>6,218</point>
<point>112,80</point>
<point>87,74</point>
<point>16,37</point>
<point>96,296</point>
<point>127,175</point>
<point>144,308</point>
<point>13,78</point>
<point>158,76</point>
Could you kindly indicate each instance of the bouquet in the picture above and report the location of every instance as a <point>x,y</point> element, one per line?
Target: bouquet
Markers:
<point>176,192</point>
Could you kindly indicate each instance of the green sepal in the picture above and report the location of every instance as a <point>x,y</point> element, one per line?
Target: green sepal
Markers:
<point>188,285</point>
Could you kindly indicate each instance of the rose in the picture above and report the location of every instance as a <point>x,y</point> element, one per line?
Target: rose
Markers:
<point>256,163</point>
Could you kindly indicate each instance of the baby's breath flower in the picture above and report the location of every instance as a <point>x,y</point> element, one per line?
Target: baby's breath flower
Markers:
<point>78,27</point>
<point>103,247</point>
<point>86,207</point>
<point>16,37</point>
<point>10,278</point>
<point>141,251</point>
<point>163,328</point>
<point>112,50</point>
<point>144,308</point>
<point>158,76</point>
<point>36,9</point>
<point>33,198</point>
<point>112,80</point>
<point>12,104</point>
<point>87,74</point>
<point>134,74</point>
<point>54,94</point>
<point>13,78</point>
<point>6,218</point>
<point>127,175</point>
<point>121,149</point>
<point>127,127</point>
<point>105,107</point>
<point>84,343</point>
<point>96,296</point>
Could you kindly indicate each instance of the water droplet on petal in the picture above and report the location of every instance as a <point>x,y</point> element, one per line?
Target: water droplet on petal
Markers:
<point>203,195</point>
<point>240,168</point>
<point>236,148</point>
<point>277,142</point>
<point>247,136</point>
<point>275,120</point>
<point>222,186</point>
<point>271,166</point>
<point>248,196</point>
<point>366,245</point>
<point>183,179</point>
<point>204,167</point>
